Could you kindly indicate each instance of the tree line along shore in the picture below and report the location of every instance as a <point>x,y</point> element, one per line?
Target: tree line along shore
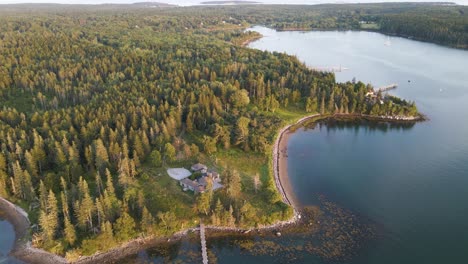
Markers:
<point>95,106</point>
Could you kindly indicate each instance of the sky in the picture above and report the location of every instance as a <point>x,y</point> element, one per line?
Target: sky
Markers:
<point>195,2</point>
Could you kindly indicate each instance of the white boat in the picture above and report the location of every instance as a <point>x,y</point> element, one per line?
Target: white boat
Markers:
<point>387,42</point>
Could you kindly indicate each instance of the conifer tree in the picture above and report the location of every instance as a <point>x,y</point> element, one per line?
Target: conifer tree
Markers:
<point>99,184</point>
<point>69,232</point>
<point>233,183</point>
<point>3,185</point>
<point>31,164</point>
<point>3,163</point>
<point>125,227</point>
<point>65,206</point>
<point>218,212</point>
<point>48,218</point>
<point>169,152</point>
<point>231,220</point>
<point>147,221</point>
<point>18,178</point>
<point>30,195</point>
<point>84,207</point>
<point>107,236</point>
<point>102,157</point>
<point>203,203</point>
<point>100,211</point>
<point>155,158</point>
<point>42,195</point>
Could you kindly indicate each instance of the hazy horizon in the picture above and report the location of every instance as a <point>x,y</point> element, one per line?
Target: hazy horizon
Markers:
<point>197,2</point>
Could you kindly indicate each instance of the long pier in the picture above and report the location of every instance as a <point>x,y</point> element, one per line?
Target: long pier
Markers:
<point>329,69</point>
<point>203,243</point>
<point>386,88</point>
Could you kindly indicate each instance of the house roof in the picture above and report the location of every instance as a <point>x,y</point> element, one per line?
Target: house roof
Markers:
<point>217,185</point>
<point>189,182</point>
<point>202,181</point>
<point>193,184</point>
<point>198,167</point>
<point>213,173</point>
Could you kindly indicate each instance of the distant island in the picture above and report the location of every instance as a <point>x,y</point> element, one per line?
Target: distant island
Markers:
<point>150,4</point>
<point>229,3</point>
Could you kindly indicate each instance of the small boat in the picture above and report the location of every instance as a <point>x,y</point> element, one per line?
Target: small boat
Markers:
<point>387,42</point>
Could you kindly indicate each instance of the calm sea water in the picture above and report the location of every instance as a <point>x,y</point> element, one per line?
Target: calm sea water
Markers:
<point>7,239</point>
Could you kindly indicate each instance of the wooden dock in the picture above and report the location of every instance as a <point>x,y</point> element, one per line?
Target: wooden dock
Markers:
<point>386,88</point>
<point>329,69</point>
<point>203,243</point>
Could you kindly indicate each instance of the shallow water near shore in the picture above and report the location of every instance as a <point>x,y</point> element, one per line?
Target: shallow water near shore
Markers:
<point>7,239</point>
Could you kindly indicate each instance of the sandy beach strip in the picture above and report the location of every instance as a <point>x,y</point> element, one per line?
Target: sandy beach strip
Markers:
<point>289,196</point>
<point>280,166</point>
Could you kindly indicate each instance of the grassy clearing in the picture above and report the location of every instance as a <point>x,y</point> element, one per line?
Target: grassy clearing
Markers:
<point>171,197</point>
<point>291,114</point>
<point>19,100</point>
<point>370,26</point>
<point>168,197</point>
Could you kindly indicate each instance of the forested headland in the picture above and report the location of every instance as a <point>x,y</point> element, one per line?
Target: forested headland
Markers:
<point>441,23</point>
<point>96,103</point>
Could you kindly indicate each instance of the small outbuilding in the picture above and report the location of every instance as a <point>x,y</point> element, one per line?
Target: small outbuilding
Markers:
<point>199,168</point>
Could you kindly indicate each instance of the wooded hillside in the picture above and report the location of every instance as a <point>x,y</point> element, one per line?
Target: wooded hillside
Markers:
<point>95,104</point>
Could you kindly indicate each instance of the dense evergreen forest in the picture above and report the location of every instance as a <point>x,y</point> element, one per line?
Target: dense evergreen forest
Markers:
<point>96,103</point>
